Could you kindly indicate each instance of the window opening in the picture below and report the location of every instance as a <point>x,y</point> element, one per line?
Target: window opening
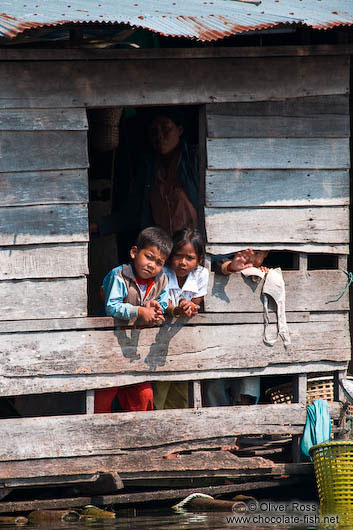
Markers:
<point>322,261</point>
<point>120,152</point>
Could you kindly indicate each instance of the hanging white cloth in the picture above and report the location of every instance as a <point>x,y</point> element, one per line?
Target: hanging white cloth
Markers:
<point>273,286</point>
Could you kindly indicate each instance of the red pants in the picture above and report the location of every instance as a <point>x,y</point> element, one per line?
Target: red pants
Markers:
<point>133,397</point>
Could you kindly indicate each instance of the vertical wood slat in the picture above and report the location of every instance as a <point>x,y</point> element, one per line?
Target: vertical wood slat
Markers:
<point>202,165</point>
<point>299,388</point>
<point>337,388</point>
<point>303,261</point>
<point>90,401</point>
<point>299,396</point>
<point>343,262</point>
<point>197,394</point>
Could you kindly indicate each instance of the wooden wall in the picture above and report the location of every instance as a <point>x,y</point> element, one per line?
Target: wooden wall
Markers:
<point>277,177</point>
<point>43,213</point>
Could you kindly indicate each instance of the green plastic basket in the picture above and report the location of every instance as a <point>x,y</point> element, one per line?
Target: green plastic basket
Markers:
<point>333,465</point>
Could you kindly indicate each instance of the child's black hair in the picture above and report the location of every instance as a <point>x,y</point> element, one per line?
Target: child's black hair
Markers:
<point>189,235</point>
<point>156,237</point>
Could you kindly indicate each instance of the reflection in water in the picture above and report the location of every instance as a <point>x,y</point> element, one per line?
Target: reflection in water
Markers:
<point>164,520</point>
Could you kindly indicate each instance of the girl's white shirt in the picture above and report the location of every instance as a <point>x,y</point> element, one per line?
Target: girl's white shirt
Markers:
<point>195,284</point>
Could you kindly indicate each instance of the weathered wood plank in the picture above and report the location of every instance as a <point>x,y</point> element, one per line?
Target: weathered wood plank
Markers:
<point>165,82</point>
<point>278,153</point>
<point>41,150</point>
<point>153,461</point>
<point>295,107</point>
<point>43,120</point>
<point>50,481</point>
<point>328,126</point>
<point>283,470</point>
<point>94,54</point>
<point>216,249</point>
<point>70,361</point>
<point>98,434</point>
<point>69,324</point>
<point>75,383</point>
<point>28,225</point>
<point>277,188</point>
<point>46,261</point>
<point>278,225</point>
<point>43,187</point>
<point>305,291</point>
<point>43,299</point>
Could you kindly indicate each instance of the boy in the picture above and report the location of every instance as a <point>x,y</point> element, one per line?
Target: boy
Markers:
<point>137,295</point>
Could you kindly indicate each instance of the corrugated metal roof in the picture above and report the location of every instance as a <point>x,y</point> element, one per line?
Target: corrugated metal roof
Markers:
<point>204,20</point>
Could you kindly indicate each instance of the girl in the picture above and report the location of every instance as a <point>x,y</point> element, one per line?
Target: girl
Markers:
<point>187,282</point>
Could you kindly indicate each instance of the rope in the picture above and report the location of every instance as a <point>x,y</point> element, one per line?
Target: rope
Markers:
<point>181,504</point>
<point>347,286</point>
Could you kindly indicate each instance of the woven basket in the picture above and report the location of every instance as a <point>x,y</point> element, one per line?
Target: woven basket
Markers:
<point>317,388</point>
<point>333,465</point>
<point>104,128</point>
<point>281,393</point>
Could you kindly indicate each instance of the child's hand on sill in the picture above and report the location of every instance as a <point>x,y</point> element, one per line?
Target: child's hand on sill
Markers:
<point>150,315</point>
<point>188,308</point>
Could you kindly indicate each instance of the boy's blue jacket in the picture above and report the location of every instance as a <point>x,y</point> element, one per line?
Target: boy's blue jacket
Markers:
<point>123,297</point>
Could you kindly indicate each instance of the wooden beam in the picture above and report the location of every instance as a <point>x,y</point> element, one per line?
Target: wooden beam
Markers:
<point>44,298</point>
<point>210,80</point>
<point>277,187</point>
<point>282,225</point>
<point>28,225</point>
<point>136,463</point>
<point>226,248</point>
<point>70,324</point>
<point>82,360</point>
<point>317,126</point>
<point>43,120</point>
<point>278,153</point>
<point>295,107</point>
<point>167,349</point>
<point>305,291</point>
<point>96,54</point>
<point>148,496</point>
<point>43,261</point>
<point>44,187</point>
<point>42,150</point>
<point>72,383</point>
<point>83,435</point>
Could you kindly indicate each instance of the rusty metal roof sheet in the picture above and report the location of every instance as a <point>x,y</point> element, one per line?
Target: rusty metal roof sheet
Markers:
<point>204,20</point>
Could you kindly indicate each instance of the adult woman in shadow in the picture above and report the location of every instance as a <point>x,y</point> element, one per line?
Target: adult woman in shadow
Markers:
<point>166,188</point>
